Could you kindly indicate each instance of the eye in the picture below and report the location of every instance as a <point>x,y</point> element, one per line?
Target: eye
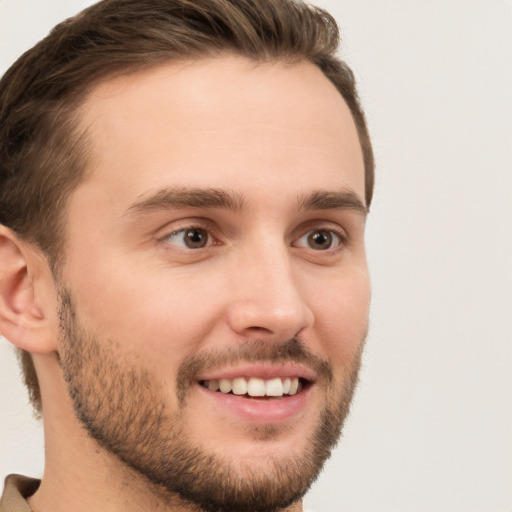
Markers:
<point>320,240</point>
<point>190,238</point>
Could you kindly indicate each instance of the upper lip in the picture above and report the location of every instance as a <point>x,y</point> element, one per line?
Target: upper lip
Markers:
<point>261,371</point>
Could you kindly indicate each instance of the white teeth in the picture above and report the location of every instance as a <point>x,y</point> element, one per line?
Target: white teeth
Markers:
<point>256,386</point>
<point>294,386</point>
<point>274,387</point>
<point>225,385</point>
<point>239,386</point>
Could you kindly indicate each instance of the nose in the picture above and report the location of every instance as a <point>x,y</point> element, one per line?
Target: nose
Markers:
<point>267,298</point>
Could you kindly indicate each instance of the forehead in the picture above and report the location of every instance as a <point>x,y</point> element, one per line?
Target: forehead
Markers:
<point>218,122</point>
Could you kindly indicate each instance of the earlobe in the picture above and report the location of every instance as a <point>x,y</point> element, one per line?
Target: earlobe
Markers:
<point>23,318</point>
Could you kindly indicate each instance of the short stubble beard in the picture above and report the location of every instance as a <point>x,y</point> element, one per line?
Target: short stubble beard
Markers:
<point>123,408</point>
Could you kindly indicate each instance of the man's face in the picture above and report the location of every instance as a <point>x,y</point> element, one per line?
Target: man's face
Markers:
<point>217,244</point>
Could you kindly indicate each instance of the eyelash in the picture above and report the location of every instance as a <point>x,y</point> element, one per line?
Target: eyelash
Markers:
<point>190,228</point>
<point>339,238</point>
<point>338,234</point>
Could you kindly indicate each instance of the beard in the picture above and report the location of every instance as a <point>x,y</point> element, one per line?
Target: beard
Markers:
<point>123,407</point>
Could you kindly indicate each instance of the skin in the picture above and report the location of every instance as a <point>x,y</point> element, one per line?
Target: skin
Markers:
<point>266,135</point>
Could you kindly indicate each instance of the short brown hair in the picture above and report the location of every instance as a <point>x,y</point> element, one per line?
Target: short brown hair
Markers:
<point>43,156</point>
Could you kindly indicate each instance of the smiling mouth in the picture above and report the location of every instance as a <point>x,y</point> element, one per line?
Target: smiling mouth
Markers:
<point>255,387</point>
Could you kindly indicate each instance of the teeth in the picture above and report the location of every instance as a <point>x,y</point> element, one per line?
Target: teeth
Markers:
<point>239,386</point>
<point>274,387</point>
<point>213,385</point>
<point>255,386</point>
<point>294,386</point>
<point>225,385</point>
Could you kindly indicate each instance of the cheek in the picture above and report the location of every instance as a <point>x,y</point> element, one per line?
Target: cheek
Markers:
<point>341,316</point>
<point>158,316</point>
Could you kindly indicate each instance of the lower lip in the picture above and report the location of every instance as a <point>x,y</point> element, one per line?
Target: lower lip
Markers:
<point>259,411</point>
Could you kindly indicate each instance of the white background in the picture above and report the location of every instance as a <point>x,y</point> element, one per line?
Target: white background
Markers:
<point>431,427</point>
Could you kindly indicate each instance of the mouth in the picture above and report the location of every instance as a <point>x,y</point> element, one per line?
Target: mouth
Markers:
<point>255,387</point>
<point>259,393</point>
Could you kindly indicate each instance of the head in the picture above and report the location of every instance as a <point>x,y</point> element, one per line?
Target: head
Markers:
<point>61,147</point>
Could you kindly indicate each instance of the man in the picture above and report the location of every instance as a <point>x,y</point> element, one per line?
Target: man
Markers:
<point>184,188</point>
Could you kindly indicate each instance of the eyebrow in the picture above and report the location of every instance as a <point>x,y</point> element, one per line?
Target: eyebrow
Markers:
<point>344,199</point>
<point>180,197</point>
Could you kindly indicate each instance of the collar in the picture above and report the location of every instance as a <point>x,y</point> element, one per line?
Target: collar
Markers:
<point>17,488</point>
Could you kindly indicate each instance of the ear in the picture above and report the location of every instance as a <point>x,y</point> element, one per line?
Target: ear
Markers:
<point>28,317</point>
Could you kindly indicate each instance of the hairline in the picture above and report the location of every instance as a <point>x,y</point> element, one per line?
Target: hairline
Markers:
<point>77,105</point>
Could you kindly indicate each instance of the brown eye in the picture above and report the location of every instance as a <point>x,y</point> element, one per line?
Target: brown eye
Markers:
<point>190,238</point>
<point>319,240</point>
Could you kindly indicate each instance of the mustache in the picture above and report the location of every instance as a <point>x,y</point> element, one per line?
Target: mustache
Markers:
<point>293,350</point>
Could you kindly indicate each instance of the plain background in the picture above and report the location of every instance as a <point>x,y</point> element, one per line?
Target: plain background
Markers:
<point>431,426</point>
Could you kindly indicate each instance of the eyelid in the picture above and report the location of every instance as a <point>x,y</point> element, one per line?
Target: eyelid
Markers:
<point>322,225</point>
<point>175,227</point>
<point>179,224</point>
<point>336,234</point>
<point>210,227</point>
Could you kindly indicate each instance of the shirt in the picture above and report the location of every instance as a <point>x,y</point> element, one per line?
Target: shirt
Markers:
<point>16,489</point>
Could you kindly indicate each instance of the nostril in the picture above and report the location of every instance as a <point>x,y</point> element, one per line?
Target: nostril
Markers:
<point>256,328</point>
<point>265,316</point>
